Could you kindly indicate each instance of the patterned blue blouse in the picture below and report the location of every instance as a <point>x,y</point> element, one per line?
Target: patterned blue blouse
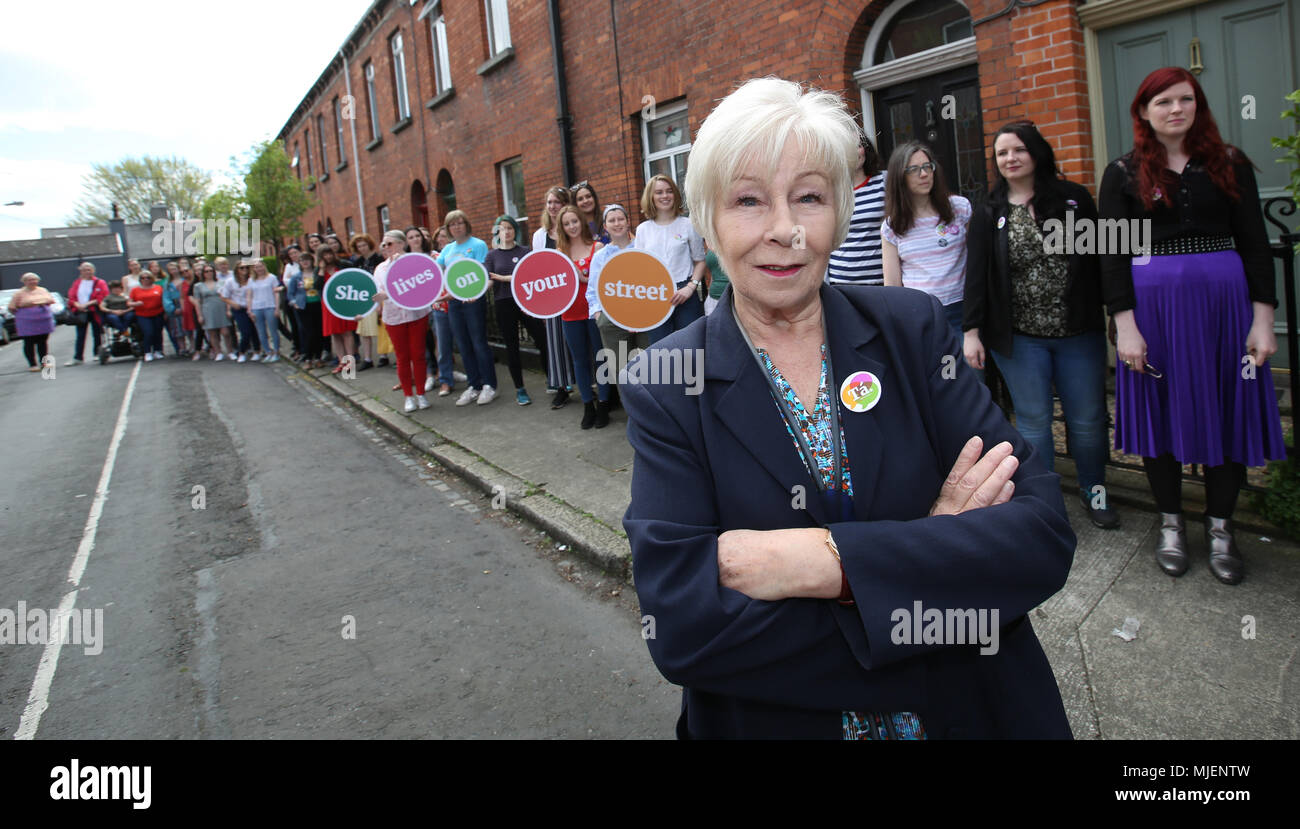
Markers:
<point>816,429</point>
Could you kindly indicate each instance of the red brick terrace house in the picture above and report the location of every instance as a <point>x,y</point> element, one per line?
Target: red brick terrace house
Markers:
<point>483,104</point>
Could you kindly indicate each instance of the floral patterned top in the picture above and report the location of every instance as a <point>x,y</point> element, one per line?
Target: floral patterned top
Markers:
<point>1038,280</point>
<point>816,429</point>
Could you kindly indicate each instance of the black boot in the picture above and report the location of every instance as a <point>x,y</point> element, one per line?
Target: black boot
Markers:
<point>1171,549</point>
<point>1225,559</point>
<point>602,414</point>
<point>588,414</point>
<point>561,399</point>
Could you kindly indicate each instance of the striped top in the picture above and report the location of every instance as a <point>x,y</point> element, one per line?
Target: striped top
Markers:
<point>857,261</point>
<point>932,255</point>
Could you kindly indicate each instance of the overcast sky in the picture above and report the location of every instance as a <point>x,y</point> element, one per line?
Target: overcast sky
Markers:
<point>93,82</point>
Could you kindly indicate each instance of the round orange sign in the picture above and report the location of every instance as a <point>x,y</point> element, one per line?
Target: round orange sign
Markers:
<point>635,290</point>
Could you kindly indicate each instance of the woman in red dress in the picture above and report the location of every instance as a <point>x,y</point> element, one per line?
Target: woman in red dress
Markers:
<point>340,331</point>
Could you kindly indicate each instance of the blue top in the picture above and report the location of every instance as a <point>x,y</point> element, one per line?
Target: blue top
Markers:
<point>295,292</point>
<point>472,248</point>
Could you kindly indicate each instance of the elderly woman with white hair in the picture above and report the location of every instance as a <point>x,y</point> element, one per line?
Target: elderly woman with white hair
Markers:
<point>33,309</point>
<point>840,482</point>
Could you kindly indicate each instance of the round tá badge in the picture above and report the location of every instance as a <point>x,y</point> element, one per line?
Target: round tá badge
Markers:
<point>860,392</point>
<point>467,279</point>
<point>350,293</point>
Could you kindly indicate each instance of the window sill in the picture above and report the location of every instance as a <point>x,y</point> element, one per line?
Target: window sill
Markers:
<point>374,143</point>
<point>342,165</point>
<point>441,98</point>
<point>400,125</point>
<point>493,62</point>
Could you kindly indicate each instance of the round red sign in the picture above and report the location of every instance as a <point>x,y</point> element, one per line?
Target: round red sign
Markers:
<point>545,283</point>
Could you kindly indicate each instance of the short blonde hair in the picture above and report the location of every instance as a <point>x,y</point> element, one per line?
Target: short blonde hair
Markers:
<point>648,208</point>
<point>751,126</point>
<point>453,216</point>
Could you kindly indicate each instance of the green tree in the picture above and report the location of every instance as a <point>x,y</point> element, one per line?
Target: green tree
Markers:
<point>134,184</point>
<point>223,205</point>
<point>275,196</point>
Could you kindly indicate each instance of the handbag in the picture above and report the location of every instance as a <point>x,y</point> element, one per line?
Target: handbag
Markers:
<point>79,317</point>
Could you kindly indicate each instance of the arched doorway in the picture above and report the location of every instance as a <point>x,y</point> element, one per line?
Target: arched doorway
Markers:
<point>920,81</point>
<point>419,205</point>
<point>445,193</point>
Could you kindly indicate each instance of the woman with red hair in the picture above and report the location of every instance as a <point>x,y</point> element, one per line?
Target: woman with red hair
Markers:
<point>1194,318</point>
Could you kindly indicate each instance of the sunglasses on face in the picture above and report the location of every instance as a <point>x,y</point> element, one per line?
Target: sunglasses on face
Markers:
<point>928,167</point>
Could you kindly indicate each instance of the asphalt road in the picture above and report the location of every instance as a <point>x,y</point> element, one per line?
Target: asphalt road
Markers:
<point>327,584</point>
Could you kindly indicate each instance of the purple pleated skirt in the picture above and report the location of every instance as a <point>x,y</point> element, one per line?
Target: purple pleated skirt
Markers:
<point>33,320</point>
<point>1194,311</point>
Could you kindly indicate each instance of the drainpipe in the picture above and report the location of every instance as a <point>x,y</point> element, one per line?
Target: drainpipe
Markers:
<point>356,158</point>
<point>565,120</point>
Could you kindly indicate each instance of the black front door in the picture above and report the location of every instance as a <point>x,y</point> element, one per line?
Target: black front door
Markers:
<point>944,112</point>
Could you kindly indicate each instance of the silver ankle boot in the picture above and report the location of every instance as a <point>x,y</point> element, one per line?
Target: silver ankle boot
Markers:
<point>1171,549</point>
<point>1225,560</point>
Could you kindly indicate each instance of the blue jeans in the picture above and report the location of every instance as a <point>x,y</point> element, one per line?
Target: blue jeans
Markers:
<point>267,330</point>
<point>122,323</point>
<point>1077,367</point>
<point>97,332</point>
<point>247,335</point>
<point>583,338</point>
<point>469,328</point>
<point>446,361</point>
<point>151,329</point>
<point>682,316</point>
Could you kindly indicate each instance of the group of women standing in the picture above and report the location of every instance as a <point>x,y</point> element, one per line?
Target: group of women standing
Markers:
<point>1193,316</point>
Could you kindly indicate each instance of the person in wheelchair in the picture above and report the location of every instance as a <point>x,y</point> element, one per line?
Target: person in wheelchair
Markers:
<point>121,319</point>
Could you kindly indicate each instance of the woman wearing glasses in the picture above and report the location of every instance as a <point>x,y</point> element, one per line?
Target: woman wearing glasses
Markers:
<point>1039,313</point>
<point>1195,318</point>
<point>924,231</point>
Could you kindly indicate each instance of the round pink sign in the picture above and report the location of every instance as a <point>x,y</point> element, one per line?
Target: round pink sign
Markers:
<point>414,281</point>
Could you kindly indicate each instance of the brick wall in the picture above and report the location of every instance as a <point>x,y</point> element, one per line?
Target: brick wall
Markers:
<point>1031,65</point>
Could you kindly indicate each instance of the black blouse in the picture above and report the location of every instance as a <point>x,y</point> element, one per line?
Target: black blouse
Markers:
<point>1199,209</point>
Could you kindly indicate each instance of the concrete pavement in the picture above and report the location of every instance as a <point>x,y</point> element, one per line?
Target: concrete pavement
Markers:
<point>1208,662</point>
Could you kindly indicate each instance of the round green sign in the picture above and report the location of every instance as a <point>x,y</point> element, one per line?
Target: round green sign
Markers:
<point>350,293</point>
<point>467,280</point>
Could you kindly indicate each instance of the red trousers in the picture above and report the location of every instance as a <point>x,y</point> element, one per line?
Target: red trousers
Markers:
<point>408,343</point>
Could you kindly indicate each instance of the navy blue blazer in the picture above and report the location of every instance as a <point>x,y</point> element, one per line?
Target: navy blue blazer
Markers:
<point>722,460</point>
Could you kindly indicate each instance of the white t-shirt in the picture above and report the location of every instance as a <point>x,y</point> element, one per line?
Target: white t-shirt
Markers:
<point>84,290</point>
<point>263,291</point>
<point>932,256</point>
<point>676,243</point>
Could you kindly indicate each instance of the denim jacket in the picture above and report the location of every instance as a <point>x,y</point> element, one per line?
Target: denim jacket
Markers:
<point>171,298</point>
<point>296,293</point>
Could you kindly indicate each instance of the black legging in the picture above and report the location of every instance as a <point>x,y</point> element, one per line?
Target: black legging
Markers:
<point>309,327</point>
<point>1222,485</point>
<point>34,348</point>
<point>508,319</point>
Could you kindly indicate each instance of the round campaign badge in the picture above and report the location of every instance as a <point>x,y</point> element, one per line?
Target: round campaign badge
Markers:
<point>860,392</point>
<point>414,281</point>
<point>635,290</point>
<point>1002,222</point>
<point>545,283</point>
<point>350,293</point>
<point>467,279</point>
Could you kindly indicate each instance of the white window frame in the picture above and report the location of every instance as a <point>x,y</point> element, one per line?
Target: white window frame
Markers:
<point>399,77</point>
<point>511,209</point>
<point>441,61</point>
<point>370,98</point>
<point>338,126</point>
<point>384,218</point>
<point>347,224</point>
<point>498,26</point>
<point>681,149</point>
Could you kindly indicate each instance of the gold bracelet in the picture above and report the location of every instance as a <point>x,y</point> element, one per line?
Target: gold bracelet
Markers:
<point>835,551</point>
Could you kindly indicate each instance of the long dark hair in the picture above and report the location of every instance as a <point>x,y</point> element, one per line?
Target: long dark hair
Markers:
<point>870,158</point>
<point>1049,187</point>
<point>898,199</point>
<point>1202,142</point>
<point>426,246</point>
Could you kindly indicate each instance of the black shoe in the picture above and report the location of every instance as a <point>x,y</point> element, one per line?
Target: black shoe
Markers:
<point>1107,517</point>
<point>602,414</point>
<point>365,365</point>
<point>561,399</point>
<point>1171,549</point>
<point>1225,559</point>
<point>588,414</point>
<point>383,361</point>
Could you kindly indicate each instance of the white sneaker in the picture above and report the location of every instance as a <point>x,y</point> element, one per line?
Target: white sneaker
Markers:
<point>273,358</point>
<point>428,384</point>
<point>423,402</point>
<point>72,363</point>
<point>220,356</point>
<point>410,405</point>
<point>256,357</point>
<point>487,395</point>
<point>468,397</point>
<point>242,358</point>
<point>459,377</point>
<point>158,355</point>
<point>148,358</point>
